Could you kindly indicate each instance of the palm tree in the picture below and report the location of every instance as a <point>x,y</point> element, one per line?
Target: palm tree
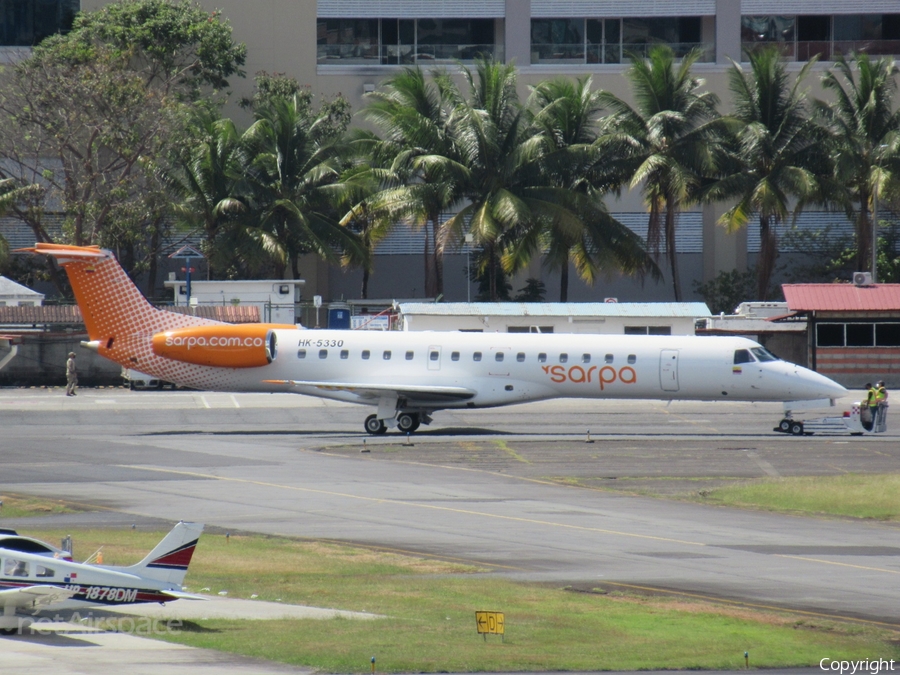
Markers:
<point>666,145</point>
<point>293,165</point>
<point>594,242</point>
<point>778,153</point>
<point>204,181</point>
<point>411,114</point>
<point>865,129</point>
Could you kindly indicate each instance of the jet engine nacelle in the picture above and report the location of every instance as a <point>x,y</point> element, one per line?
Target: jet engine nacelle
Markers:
<point>222,346</point>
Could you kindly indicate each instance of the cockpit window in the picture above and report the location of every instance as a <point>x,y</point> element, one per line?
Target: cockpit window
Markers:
<point>763,354</point>
<point>742,356</point>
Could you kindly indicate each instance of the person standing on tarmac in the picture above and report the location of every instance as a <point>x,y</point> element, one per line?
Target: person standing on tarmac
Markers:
<point>71,375</point>
<point>881,397</point>
<point>869,408</point>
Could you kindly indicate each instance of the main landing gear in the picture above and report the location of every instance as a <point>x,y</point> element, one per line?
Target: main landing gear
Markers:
<point>405,422</point>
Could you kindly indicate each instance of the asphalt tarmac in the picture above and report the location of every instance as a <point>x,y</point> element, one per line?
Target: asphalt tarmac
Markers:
<point>512,489</point>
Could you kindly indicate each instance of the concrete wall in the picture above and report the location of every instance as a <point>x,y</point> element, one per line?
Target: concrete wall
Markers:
<point>41,361</point>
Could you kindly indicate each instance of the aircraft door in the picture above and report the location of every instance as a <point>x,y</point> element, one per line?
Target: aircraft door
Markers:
<point>434,357</point>
<point>668,369</point>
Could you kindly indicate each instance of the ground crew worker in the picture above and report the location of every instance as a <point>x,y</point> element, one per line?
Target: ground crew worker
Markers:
<point>71,375</point>
<point>881,397</point>
<point>869,407</point>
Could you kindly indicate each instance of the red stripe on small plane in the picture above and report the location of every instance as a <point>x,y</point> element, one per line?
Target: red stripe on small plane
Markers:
<point>180,557</point>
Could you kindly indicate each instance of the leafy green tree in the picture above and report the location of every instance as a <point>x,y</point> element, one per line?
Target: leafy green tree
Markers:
<point>727,290</point>
<point>412,116</point>
<point>779,154</point>
<point>666,145</point>
<point>865,128</point>
<point>293,165</point>
<point>566,112</point>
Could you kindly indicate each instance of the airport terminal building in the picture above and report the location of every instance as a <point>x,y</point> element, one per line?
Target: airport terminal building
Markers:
<point>349,47</point>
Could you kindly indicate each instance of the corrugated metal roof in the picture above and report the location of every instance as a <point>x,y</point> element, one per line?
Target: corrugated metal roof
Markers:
<point>12,289</point>
<point>579,309</point>
<point>842,297</point>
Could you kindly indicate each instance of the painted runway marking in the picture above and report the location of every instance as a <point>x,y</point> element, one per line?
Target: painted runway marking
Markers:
<point>763,464</point>
<point>205,402</point>
<point>838,564</point>
<point>234,400</point>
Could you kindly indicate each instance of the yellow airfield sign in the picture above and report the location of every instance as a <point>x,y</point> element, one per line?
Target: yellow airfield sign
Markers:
<point>489,622</point>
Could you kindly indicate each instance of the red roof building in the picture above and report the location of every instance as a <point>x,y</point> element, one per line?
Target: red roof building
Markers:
<point>853,331</point>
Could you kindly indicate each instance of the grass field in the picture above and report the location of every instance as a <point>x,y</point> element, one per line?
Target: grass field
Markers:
<point>873,496</point>
<point>15,506</point>
<point>429,623</point>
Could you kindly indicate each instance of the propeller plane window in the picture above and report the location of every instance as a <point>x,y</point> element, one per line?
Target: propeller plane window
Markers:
<point>563,358</point>
<point>409,356</point>
<point>434,355</point>
<point>15,568</point>
<point>476,356</point>
<point>387,355</point>
<point>44,572</point>
<point>301,353</point>
<point>632,359</point>
<point>542,358</point>
<point>323,353</point>
<point>365,354</point>
<point>585,358</point>
<point>345,353</point>
<point>609,358</point>
<point>454,356</point>
<point>520,356</point>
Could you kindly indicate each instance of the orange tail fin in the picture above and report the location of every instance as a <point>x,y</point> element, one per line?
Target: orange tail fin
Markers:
<point>117,316</point>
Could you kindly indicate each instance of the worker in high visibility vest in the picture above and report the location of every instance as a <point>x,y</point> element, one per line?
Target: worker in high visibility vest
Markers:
<point>869,406</point>
<point>881,396</point>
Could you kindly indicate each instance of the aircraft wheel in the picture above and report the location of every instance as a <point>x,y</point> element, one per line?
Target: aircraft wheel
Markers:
<point>784,426</point>
<point>407,422</point>
<point>797,428</point>
<point>375,426</point>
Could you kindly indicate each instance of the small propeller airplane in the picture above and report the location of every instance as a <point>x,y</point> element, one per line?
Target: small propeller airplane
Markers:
<point>409,375</point>
<point>36,576</point>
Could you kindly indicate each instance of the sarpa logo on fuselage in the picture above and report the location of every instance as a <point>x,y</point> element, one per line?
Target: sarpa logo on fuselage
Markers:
<point>604,375</point>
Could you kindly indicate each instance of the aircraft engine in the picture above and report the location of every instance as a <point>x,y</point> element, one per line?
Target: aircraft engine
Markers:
<point>222,346</point>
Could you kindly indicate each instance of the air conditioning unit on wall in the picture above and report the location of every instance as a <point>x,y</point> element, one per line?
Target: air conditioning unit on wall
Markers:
<point>862,278</point>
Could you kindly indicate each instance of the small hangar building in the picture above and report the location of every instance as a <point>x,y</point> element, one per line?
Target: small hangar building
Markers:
<point>853,331</point>
<point>616,318</point>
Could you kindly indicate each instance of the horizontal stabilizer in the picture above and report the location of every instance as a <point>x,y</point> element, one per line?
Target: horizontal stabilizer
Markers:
<point>181,595</point>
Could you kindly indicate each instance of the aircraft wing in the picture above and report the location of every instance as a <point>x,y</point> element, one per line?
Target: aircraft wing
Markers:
<point>368,391</point>
<point>181,595</point>
<point>34,596</point>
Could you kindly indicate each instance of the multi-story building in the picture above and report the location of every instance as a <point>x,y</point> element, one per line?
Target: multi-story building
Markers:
<point>348,46</point>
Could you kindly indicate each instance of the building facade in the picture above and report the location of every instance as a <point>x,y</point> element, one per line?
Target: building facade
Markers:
<point>349,47</point>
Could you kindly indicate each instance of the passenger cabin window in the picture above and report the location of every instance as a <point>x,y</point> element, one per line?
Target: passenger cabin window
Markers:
<point>563,358</point>
<point>365,354</point>
<point>434,355</point>
<point>498,356</point>
<point>609,358</point>
<point>44,572</point>
<point>476,356</point>
<point>585,358</point>
<point>15,568</point>
<point>520,356</point>
<point>632,359</point>
<point>387,355</point>
<point>323,353</point>
<point>301,353</point>
<point>763,354</point>
<point>542,358</point>
<point>742,356</point>
<point>454,356</point>
<point>409,356</point>
<point>345,353</point>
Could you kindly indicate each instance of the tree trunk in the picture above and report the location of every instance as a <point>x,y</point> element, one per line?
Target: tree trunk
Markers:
<point>670,248</point>
<point>492,273</point>
<point>438,257</point>
<point>768,252</point>
<point>863,233</point>
<point>153,265</point>
<point>564,282</point>
<point>364,290</point>
<point>429,278</point>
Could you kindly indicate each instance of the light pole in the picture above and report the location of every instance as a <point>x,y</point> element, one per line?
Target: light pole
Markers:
<point>469,239</point>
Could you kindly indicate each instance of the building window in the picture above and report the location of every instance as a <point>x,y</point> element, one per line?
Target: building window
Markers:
<point>635,330</point>
<point>659,330</point>
<point>24,23</point>
<point>557,41</point>
<point>404,41</point>
<point>858,334</point>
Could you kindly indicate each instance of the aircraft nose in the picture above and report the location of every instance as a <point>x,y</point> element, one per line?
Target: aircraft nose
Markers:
<point>815,385</point>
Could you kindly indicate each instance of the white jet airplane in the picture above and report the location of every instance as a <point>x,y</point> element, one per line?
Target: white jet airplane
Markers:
<point>35,576</point>
<point>409,375</point>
